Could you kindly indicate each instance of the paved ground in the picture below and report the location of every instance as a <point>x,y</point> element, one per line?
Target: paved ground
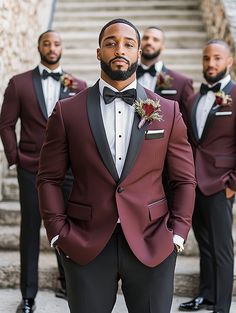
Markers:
<point>47,302</point>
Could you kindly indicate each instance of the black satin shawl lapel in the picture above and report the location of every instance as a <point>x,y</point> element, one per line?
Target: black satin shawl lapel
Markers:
<point>98,130</point>
<point>39,91</point>
<point>193,117</point>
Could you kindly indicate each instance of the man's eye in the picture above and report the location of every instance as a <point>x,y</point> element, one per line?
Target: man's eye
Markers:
<point>129,45</point>
<point>109,44</point>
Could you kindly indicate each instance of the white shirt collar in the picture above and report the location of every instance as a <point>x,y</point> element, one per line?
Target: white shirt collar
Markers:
<point>103,84</point>
<point>43,67</point>
<point>224,81</point>
<point>158,66</point>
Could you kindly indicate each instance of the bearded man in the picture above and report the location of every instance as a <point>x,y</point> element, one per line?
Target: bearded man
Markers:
<point>211,123</point>
<point>117,225</point>
<point>154,75</point>
<point>31,97</point>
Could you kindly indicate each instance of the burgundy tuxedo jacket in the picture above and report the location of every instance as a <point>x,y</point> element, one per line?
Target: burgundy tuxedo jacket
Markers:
<point>180,90</point>
<point>24,100</point>
<point>76,137</point>
<point>215,152</point>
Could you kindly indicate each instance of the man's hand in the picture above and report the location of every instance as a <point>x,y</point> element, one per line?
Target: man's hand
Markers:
<point>229,193</point>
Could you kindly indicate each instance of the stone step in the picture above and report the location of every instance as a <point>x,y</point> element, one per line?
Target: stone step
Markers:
<point>73,6</point>
<point>10,270</point>
<point>10,191</point>
<point>9,213</point>
<point>166,24</point>
<point>132,14</point>
<point>10,234</point>
<point>186,274</point>
<point>177,40</point>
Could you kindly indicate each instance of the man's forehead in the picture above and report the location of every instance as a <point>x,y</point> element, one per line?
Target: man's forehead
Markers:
<point>114,30</point>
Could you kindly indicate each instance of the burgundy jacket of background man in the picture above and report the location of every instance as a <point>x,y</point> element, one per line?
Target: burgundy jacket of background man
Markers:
<point>180,90</point>
<point>76,137</point>
<point>24,99</point>
<point>215,152</point>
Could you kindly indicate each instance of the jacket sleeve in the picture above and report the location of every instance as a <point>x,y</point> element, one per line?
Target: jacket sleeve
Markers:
<point>53,165</point>
<point>9,115</point>
<point>181,172</point>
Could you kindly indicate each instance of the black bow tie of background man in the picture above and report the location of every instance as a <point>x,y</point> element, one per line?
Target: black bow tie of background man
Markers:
<point>141,71</point>
<point>205,88</point>
<point>55,76</point>
<point>129,96</point>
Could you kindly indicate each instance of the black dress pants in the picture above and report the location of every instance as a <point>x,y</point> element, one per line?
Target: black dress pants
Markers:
<point>30,232</point>
<point>212,225</point>
<point>93,287</point>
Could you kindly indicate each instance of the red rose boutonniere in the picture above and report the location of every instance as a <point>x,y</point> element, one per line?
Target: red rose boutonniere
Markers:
<point>164,81</point>
<point>68,82</point>
<point>148,110</point>
<point>222,99</point>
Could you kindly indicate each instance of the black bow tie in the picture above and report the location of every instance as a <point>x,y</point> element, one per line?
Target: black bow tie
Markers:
<point>129,96</point>
<point>205,88</point>
<point>151,70</point>
<point>55,76</point>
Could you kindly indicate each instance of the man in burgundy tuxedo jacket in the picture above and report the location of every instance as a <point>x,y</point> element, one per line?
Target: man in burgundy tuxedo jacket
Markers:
<point>117,224</point>
<point>154,75</point>
<point>31,97</point>
<point>211,122</point>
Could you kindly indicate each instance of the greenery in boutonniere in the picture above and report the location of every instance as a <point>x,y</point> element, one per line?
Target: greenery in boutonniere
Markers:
<point>164,81</point>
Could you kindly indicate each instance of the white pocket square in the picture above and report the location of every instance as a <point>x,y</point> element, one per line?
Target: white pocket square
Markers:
<point>154,134</point>
<point>168,92</point>
<point>224,113</point>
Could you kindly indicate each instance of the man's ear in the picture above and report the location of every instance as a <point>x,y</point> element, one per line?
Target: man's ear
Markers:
<point>99,54</point>
<point>230,62</point>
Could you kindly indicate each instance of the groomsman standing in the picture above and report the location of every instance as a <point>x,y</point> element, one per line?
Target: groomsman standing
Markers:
<point>211,122</point>
<point>31,97</point>
<point>154,75</point>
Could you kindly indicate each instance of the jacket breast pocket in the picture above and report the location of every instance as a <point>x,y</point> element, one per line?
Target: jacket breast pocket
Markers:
<point>79,211</point>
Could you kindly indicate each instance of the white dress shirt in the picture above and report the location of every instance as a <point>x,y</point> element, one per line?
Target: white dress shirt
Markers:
<point>147,80</point>
<point>205,104</point>
<point>51,88</point>
<point>118,117</point>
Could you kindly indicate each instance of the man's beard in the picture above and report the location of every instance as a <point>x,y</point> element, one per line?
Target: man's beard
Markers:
<point>47,61</point>
<point>118,75</point>
<point>151,56</point>
<point>215,79</point>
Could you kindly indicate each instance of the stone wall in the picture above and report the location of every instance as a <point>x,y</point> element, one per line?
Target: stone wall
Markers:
<point>219,18</point>
<point>21,22</point>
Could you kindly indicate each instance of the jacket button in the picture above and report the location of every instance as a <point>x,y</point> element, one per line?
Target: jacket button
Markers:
<point>120,189</point>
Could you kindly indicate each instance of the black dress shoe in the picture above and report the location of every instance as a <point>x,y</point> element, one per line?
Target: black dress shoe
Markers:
<point>61,293</point>
<point>196,304</point>
<point>26,306</point>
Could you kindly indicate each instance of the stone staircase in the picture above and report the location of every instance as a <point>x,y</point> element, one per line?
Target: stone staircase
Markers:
<point>79,23</point>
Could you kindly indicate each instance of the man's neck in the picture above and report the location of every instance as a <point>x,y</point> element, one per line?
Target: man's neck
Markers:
<point>118,84</point>
<point>149,62</point>
<point>52,67</point>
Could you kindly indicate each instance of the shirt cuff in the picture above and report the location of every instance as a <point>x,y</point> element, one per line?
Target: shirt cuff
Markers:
<point>179,241</point>
<point>12,167</point>
<point>54,239</point>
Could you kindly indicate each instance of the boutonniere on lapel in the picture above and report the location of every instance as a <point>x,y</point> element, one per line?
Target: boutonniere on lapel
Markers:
<point>164,81</point>
<point>69,82</point>
<point>149,110</point>
<point>222,100</point>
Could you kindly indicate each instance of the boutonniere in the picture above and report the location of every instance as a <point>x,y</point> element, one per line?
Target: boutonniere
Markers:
<point>148,110</point>
<point>164,81</point>
<point>222,99</point>
<point>69,82</point>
